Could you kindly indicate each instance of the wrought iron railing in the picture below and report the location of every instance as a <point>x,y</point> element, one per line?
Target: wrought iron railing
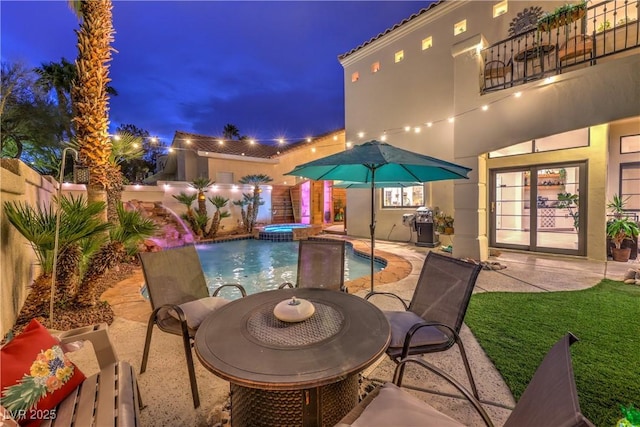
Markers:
<point>582,39</point>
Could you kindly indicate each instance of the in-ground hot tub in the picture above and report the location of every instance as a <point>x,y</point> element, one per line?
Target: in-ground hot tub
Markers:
<point>287,232</point>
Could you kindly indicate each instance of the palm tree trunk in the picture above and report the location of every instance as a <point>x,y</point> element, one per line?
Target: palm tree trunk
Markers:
<point>90,98</point>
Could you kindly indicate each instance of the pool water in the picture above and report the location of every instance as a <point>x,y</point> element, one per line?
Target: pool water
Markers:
<point>261,265</point>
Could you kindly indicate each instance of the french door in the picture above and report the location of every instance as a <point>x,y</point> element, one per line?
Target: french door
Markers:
<point>539,208</point>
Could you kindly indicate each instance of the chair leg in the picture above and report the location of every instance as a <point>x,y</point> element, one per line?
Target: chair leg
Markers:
<point>192,372</point>
<point>147,343</point>
<point>467,367</point>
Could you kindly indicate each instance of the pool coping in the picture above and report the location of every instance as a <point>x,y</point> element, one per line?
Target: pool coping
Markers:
<point>127,302</point>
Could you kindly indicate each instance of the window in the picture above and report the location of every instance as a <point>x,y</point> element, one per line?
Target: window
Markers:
<point>399,56</point>
<point>399,197</point>
<point>375,67</point>
<point>500,8</point>
<point>427,43</point>
<point>355,77</point>
<point>224,177</point>
<point>561,141</point>
<point>460,27</point>
<point>629,144</point>
<point>630,185</point>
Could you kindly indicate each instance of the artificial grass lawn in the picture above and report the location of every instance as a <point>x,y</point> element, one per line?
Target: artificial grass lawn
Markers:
<point>517,329</point>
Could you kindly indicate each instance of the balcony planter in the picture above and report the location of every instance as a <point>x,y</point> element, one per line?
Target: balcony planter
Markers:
<point>561,16</point>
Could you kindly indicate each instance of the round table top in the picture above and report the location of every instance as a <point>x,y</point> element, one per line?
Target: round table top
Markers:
<point>244,343</point>
<point>534,51</point>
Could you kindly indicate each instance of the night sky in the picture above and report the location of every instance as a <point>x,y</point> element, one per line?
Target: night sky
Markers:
<point>270,68</point>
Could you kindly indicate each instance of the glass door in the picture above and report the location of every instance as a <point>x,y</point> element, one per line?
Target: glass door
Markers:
<point>510,210</point>
<point>538,208</point>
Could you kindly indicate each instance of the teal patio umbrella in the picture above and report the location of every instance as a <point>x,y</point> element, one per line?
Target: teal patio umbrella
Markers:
<point>374,162</point>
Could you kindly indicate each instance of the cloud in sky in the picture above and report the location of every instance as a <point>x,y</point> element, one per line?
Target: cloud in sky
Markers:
<point>268,67</point>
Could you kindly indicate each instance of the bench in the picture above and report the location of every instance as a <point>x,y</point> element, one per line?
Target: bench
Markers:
<point>108,398</point>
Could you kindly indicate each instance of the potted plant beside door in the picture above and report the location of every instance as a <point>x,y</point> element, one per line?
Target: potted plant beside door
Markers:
<point>619,228</point>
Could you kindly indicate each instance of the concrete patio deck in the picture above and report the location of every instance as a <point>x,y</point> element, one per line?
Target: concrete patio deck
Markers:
<point>165,386</point>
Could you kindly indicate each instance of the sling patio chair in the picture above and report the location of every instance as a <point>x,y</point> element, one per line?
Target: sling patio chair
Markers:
<point>432,321</point>
<point>180,299</point>
<point>550,399</point>
<point>320,265</point>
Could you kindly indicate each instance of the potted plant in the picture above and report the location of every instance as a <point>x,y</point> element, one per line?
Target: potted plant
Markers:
<point>448,224</point>
<point>620,228</point>
<point>562,15</point>
<point>570,202</point>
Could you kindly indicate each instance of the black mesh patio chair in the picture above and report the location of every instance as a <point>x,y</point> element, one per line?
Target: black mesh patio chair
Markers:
<point>432,321</point>
<point>179,298</point>
<point>320,265</point>
<point>550,399</point>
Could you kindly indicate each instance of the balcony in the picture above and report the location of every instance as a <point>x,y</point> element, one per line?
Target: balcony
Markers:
<point>601,32</point>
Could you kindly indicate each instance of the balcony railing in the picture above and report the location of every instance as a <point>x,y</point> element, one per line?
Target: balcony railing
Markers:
<point>604,29</point>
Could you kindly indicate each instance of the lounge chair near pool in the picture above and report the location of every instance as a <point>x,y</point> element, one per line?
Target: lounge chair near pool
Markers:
<point>320,265</point>
<point>180,299</point>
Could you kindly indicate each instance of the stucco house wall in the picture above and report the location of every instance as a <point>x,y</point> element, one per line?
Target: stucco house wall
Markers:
<point>444,81</point>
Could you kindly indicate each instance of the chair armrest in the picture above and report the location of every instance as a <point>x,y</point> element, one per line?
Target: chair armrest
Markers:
<point>286,285</point>
<point>466,393</point>
<point>370,294</point>
<point>230,285</point>
<point>411,332</point>
<point>99,338</point>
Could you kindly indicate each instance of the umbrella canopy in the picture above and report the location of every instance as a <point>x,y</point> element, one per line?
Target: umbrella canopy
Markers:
<point>379,161</point>
<point>376,161</point>
<point>378,184</point>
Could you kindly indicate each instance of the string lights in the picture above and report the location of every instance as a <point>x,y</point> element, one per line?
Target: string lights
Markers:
<point>382,135</point>
<point>379,134</point>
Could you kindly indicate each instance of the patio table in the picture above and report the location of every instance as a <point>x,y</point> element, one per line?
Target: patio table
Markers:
<point>304,373</point>
<point>531,53</point>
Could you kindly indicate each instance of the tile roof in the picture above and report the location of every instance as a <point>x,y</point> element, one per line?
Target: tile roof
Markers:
<point>388,30</point>
<point>212,144</point>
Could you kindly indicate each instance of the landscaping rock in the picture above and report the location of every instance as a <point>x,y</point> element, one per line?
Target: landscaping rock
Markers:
<point>632,277</point>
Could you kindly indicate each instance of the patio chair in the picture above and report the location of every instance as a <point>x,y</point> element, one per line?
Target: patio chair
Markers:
<point>550,399</point>
<point>320,265</point>
<point>432,321</point>
<point>179,298</point>
<point>575,49</point>
<point>496,72</point>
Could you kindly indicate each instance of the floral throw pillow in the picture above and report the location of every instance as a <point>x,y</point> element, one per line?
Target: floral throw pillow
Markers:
<point>35,375</point>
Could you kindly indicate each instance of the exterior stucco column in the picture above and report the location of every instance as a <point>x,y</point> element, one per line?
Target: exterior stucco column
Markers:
<point>470,211</point>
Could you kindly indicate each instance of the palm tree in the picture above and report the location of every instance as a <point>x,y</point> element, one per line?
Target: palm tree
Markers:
<point>230,131</point>
<point>132,228</point>
<point>254,199</point>
<point>78,222</point>
<point>218,202</point>
<point>89,92</point>
<point>201,184</point>
<point>59,77</point>
<point>190,216</point>
<point>124,148</point>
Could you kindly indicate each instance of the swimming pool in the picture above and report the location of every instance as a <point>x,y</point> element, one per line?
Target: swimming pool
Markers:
<point>261,265</point>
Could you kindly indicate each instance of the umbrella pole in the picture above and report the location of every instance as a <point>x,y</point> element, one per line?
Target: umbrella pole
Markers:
<point>372,226</point>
